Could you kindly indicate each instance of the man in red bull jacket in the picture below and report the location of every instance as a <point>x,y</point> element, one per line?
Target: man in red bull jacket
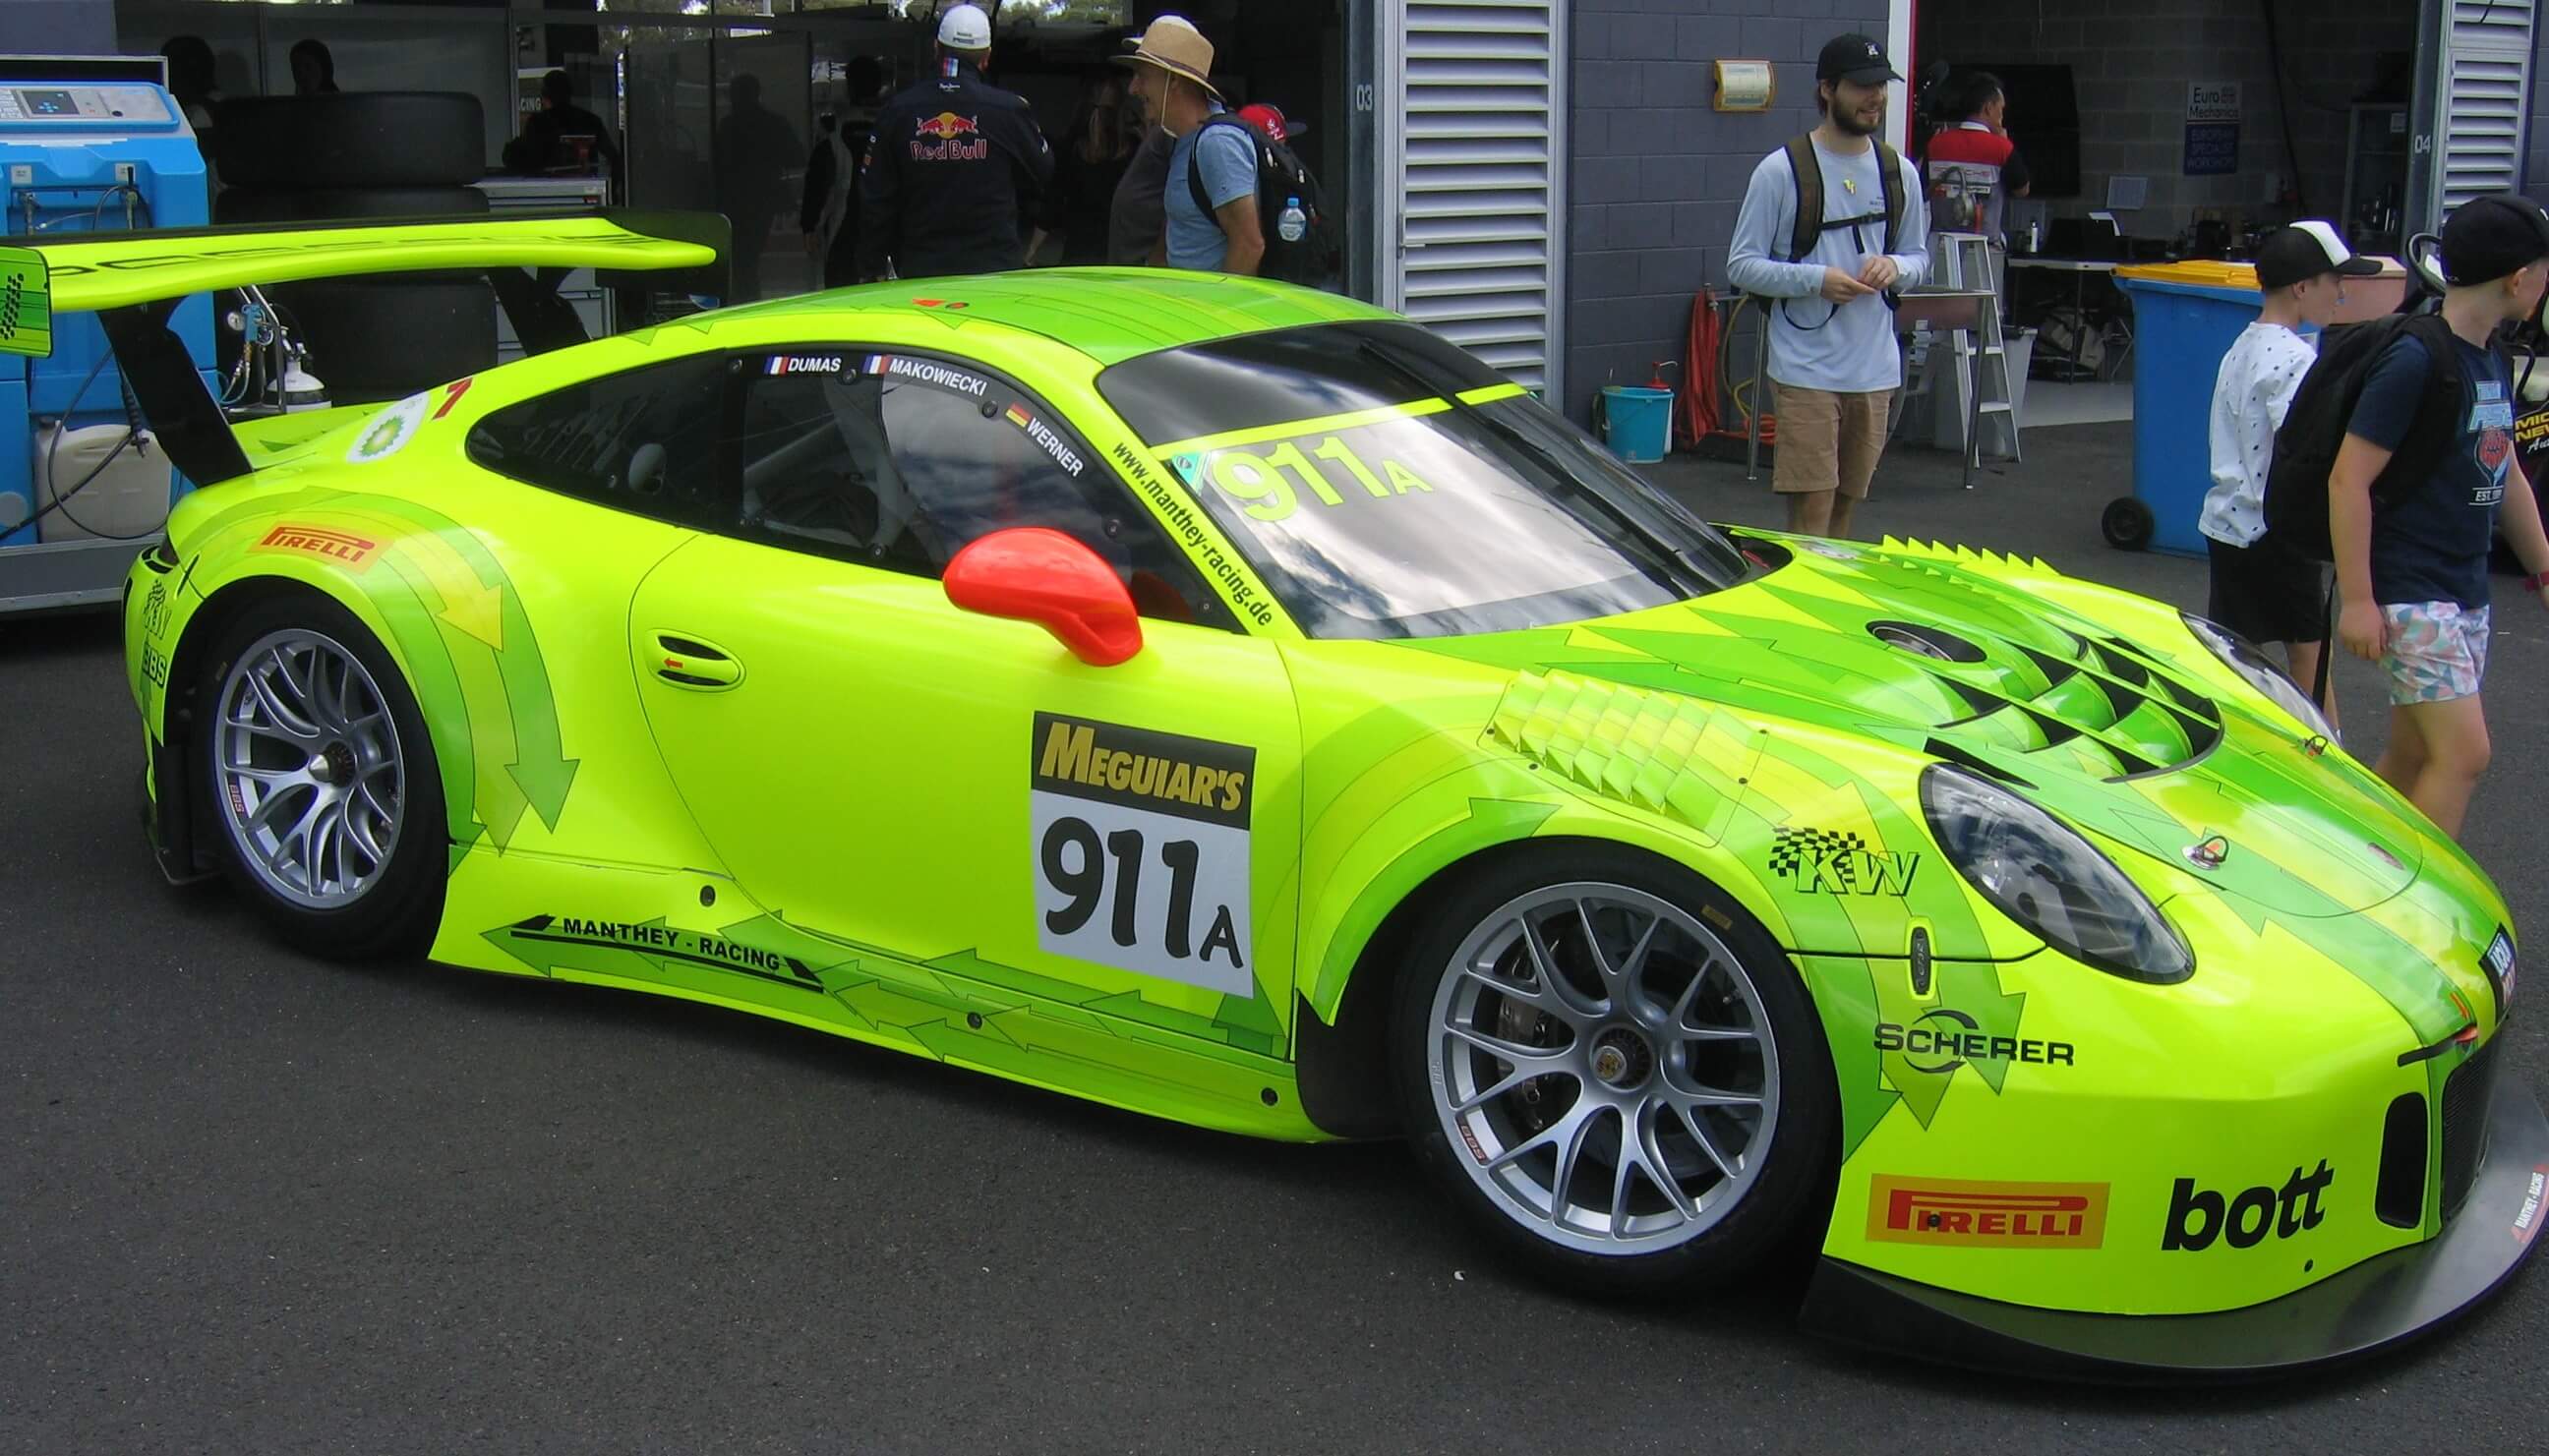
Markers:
<point>955,168</point>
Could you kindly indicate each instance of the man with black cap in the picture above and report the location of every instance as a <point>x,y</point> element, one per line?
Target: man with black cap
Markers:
<point>2263,589</point>
<point>1833,359</point>
<point>955,168</point>
<point>2412,565</point>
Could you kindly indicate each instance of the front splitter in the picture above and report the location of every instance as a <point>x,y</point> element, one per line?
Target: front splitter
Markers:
<point>2379,1301</point>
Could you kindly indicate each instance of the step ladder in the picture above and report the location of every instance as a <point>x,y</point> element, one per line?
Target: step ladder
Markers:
<point>1965,261</point>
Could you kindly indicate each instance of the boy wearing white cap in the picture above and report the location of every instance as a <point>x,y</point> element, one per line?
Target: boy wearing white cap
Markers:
<point>2262,589</point>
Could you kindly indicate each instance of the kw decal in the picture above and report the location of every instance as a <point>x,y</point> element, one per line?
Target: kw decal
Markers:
<point>1818,861</point>
<point>1962,1212</point>
<point>342,547</point>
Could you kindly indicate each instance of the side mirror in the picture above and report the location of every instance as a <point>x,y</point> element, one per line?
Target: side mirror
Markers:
<point>1034,574</point>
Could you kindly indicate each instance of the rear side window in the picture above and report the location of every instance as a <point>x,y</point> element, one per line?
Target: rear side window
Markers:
<point>644,440</point>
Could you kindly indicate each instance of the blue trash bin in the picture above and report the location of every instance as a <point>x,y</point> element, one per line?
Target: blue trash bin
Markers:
<point>2180,331</point>
<point>1637,422</point>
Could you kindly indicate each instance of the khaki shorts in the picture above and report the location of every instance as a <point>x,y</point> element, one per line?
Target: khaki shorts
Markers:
<point>1827,441</point>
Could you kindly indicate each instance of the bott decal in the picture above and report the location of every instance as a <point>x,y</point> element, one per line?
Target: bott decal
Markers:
<point>2198,1216</point>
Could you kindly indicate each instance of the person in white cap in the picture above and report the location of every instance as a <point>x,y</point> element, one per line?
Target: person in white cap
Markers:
<point>2262,589</point>
<point>956,167</point>
<point>1172,75</point>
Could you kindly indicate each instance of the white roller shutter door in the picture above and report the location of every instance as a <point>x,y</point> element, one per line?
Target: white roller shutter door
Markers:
<point>2482,100</point>
<point>1472,137</point>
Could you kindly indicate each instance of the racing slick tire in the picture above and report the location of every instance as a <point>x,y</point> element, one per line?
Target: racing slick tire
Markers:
<point>351,139</point>
<point>317,769</point>
<point>1597,1021</point>
<point>372,340</point>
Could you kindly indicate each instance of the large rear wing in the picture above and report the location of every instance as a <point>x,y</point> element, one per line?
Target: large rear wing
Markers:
<point>132,281</point>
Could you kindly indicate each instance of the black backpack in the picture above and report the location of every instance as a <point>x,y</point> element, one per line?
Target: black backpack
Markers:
<point>1280,177</point>
<point>1808,171</point>
<point>2314,427</point>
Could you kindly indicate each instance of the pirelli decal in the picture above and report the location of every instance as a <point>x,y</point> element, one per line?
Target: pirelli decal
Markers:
<point>338,546</point>
<point>1963,1212</point>
<point>1137,768</point>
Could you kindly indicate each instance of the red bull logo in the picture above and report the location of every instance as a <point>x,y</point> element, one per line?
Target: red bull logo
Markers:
<point>947,140</point>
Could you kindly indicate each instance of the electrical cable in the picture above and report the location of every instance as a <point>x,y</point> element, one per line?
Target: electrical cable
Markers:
<point>2284,108</point>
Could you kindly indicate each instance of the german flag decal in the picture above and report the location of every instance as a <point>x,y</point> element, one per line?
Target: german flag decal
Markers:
<point>1021,419</point>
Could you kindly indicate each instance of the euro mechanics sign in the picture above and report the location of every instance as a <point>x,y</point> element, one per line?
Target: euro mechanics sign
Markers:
<point>1140,846</point>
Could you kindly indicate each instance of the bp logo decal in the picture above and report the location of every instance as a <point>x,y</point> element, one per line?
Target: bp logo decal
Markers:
<point>389,431</point>
<point>1821,861</point>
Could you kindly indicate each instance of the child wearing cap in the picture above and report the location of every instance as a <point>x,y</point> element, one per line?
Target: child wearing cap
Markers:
<point>2262,589</point>
<point>2412,569</point>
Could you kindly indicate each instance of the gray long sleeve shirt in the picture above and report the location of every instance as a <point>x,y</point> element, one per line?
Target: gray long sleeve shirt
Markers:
<point>1849,349</point>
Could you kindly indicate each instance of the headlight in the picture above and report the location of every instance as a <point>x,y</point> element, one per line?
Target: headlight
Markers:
<point>2261,672</point>
<point>2047,877</point>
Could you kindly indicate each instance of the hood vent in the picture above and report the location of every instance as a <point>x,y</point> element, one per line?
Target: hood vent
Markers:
<point>2106,706</point>
<point>1928,642</point>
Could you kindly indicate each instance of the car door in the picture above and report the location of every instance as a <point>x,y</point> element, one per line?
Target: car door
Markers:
<point>959,791</point>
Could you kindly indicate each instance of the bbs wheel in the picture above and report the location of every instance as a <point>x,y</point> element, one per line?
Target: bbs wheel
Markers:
<point>1615,1070</point>
<point>322,779</point>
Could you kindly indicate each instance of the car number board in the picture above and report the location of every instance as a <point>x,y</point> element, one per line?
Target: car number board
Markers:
<point>1139,849</point>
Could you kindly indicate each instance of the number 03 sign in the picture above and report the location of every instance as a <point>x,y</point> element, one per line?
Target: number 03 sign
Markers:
<point>1140,845</point>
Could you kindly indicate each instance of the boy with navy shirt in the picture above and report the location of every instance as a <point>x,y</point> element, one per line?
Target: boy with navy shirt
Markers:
<point>2262,587</point>
<point>2414,569</point>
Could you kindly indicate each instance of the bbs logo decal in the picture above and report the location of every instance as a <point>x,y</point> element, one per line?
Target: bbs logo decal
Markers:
<point>1821,861</point>
<point>1140,850</point>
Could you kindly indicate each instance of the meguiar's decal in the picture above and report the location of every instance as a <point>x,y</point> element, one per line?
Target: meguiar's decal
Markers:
<point>389,431</point>
<point>1141,850</point>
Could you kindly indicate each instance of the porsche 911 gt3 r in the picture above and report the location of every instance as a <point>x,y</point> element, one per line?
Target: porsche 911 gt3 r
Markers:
<point>1237,704</point>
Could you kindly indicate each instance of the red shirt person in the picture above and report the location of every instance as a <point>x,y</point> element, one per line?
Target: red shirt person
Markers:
<point>1973,167</point>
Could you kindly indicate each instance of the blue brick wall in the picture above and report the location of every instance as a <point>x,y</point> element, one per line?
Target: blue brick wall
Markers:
<point>1656,175</point>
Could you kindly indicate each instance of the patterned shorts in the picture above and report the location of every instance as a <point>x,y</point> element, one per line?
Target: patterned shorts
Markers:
<point>2437,651</point>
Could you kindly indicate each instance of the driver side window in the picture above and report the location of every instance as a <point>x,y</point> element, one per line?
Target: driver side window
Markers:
<point>898,461</point>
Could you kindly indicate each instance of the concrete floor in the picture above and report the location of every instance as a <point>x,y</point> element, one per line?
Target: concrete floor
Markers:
<point>254,1203</point>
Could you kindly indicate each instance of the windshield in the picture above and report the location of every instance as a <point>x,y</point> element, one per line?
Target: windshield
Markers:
<point>1387,485</point>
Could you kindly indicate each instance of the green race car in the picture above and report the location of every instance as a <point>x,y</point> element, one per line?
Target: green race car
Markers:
<point>1237,704</point>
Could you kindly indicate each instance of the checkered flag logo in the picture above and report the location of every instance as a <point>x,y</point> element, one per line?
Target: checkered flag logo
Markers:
<point>1791,849</point>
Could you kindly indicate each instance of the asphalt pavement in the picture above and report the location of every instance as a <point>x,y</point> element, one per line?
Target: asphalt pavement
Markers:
<point>254,1201</point>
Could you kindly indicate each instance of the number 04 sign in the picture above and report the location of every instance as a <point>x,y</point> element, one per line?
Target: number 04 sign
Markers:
<point>1140,846</point>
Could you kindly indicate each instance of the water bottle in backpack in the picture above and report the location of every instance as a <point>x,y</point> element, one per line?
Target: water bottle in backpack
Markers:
<point>1291,224</point>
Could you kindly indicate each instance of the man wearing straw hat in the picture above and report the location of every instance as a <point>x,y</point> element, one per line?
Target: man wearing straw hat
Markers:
<point>1172,74</point>
<point>955,167</point>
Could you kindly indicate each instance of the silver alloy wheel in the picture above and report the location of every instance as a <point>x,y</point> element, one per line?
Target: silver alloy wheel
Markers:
<point>1607,1066</point>
<point>307,760</point>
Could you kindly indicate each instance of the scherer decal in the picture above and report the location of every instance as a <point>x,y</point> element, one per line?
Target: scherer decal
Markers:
<point>1819,861</point>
